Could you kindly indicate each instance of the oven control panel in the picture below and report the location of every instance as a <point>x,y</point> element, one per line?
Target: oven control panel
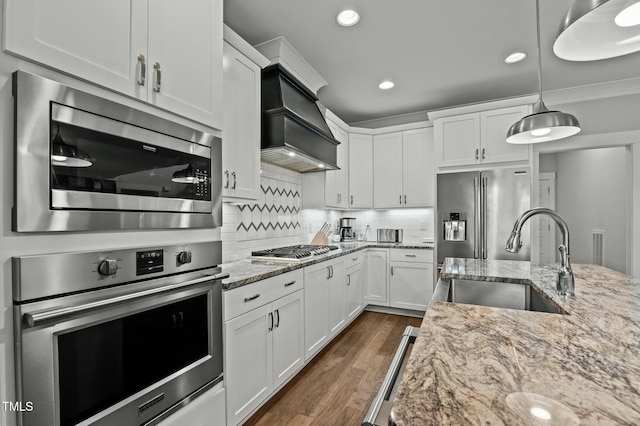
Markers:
<point>149,262</point>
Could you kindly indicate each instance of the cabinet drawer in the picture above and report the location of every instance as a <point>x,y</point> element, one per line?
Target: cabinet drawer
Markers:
<point>353,259</point>
<point>248,297</point>
<point>412,255</point>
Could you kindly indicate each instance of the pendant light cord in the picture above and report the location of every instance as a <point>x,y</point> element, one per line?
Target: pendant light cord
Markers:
<point>539,52</point>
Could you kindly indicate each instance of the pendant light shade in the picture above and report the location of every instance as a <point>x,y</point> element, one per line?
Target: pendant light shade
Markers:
<point>65,155</point>
<point>543,125</point>
<point>599,29</point>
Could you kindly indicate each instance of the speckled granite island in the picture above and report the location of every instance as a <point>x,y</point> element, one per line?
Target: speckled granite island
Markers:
<point>481,365</point>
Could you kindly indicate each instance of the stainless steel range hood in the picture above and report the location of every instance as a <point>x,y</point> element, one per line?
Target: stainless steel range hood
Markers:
<point>294,132</point>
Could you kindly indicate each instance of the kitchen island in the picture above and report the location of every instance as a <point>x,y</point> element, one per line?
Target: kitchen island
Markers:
<point>482,365</point>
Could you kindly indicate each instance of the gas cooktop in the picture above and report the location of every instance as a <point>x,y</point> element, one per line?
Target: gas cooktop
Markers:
<point>297,253</point>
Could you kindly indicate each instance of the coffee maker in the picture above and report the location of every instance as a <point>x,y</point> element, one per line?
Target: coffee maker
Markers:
<point>347,233</point>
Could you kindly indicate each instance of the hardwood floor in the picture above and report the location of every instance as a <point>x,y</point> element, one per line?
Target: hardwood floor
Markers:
<point>338,385</point>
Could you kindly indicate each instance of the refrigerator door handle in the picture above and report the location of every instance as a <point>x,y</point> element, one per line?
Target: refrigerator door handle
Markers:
<point>484,217</point>
<point>476,217</point>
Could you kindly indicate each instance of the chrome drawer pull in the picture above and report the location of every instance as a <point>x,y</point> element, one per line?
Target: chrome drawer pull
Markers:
<point>410,255</point>
<point>291,283</point>
<point>249,299</point>
<point>143,70</point>
<point>156,67</point>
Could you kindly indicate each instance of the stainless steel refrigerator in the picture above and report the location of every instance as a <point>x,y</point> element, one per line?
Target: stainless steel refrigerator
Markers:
<point>476,211</point>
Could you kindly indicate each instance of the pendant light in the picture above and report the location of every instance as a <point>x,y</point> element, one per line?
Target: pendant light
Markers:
<point>599,29</point>
<point>543,125</point>
<point>65,155</point>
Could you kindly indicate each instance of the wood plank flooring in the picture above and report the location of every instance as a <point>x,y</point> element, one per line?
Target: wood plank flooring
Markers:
<point>338,385</point>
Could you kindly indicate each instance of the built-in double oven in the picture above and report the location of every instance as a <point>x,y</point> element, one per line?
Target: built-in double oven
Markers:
<point>118,337</point>
<point>87,163</point>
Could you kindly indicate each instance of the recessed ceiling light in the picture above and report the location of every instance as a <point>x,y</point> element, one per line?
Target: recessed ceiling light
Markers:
<point>629,16</point>
<point>291,154</point>
<point>386,85</point>
<point>348,18</point>
<point>321,165</point>
<point>515,57</point>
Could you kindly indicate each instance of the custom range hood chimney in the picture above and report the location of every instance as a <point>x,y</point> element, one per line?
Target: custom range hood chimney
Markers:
<point>294,133</point>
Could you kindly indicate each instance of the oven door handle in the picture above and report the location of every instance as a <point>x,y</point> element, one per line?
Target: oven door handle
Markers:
<point>408,337</point>
<point>52,315</point>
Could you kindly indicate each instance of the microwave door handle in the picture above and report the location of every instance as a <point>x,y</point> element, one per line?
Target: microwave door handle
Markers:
<point>35,319</point>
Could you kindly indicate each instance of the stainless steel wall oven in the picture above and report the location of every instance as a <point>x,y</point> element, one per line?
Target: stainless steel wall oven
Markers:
<point>116,337</point>
<point>86,163</point>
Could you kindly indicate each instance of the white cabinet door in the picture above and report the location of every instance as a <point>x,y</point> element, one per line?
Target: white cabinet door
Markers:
<point>337,297</point>
<point>316,308</point>
<point>411,285</point>
<point>249,363</point>
<point>457,140</point>
<point>207,409</point>
<point>354,293</point>
<point>494,126</point>
<point>336,190</point>
<point>418,168</point>
<point>185,41</point>
<point>387,170</point>
<point>360,171</point>
<point>95,40</point>
<point>288,337</point>
<point>241,136</point>
<point>378,277</point>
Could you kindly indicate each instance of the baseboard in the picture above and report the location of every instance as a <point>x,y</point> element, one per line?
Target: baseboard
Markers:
<point>395,311</point>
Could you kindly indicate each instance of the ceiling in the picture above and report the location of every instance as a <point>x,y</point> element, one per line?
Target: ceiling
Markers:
<point>440,53</point>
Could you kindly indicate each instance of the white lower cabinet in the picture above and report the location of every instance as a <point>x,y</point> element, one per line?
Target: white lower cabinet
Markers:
<point>378,277</point>
<point>206,410</point>
<point>411,279</point>
<point>264,346</point>
<point>323,304</point>
<point>354,303</point>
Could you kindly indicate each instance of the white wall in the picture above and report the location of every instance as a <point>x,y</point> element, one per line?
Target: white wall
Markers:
<point>592,192</point>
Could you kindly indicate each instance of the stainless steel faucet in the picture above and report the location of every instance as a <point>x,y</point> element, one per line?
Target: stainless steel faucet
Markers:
<point>565,282</point>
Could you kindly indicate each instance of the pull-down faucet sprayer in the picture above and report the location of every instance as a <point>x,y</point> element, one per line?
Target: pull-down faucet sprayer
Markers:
<point>565,283</point>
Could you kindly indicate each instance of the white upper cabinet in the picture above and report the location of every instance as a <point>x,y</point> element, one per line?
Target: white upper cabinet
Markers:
<point>162,52</point>
<point>360,171</point>
<point>478,138</point>
<point>403,169</point>
<point>242,112</point>
<point>336,188</point>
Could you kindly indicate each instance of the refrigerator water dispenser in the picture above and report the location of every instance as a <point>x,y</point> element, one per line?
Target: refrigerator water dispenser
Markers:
<point>455,227</point>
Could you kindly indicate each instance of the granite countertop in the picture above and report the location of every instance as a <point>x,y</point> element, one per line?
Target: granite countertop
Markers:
<point>482,365</point>
<point>248,271</point>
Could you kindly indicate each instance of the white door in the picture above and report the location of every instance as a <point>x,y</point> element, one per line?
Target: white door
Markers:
<point>337,298</point>
<point>387,170</point>
<point>494,126</point>
<point>248,375</point>
<point>241,135</point>
<point>316,308</point>
<point>411,285</point>
<point>418,168</point>
<point>354,293</point>
<point>185,42</point>
<point>360,171</point>
<point>98,41</point>
<point>457,140</point>
<point>378,276</point>
<point>547,193</point>
<point>288,337</point>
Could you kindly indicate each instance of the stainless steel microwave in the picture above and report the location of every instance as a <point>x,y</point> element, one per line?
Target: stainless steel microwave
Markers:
<point>87,163</point>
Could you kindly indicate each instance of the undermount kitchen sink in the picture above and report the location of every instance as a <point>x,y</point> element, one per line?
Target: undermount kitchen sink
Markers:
<point>495,294</point>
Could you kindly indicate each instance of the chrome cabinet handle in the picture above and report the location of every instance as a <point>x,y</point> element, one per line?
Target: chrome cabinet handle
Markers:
<point>410,255</point>
<point>400,199</point>
<point>277,318</point>
<point>143,69</point>
<point>270,321</point>
<point>156,67</point>
<point>328,272</point>
<point>331,272</point>
<point>234,180</point>
<point>290,283</point>
<point>483,157</point>
<point>348,279</point>
<point>226,173</point>
<point>249,299</point>
<point>476,153</point>
<point>405,199</point>
<point>392,270</point>
<point>352,199</point>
